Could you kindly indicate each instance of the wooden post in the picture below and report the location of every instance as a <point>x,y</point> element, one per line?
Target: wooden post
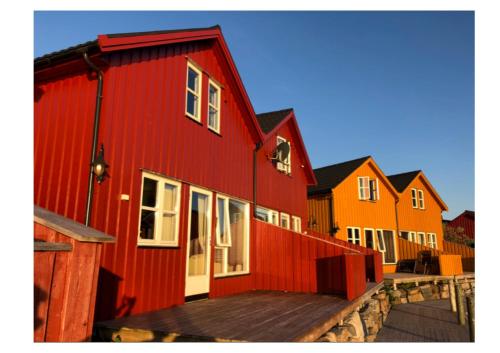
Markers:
<point>470,315</point>
<point>394,286</point>
<point>451,292</point>
<point>460,304</point>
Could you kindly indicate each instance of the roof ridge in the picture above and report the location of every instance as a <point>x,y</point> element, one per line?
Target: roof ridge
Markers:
<point>414,171</point>
<point>275,111</point>
<point>349,161</point>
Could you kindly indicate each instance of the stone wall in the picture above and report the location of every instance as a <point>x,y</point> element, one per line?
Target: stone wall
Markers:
<point>361,325</point>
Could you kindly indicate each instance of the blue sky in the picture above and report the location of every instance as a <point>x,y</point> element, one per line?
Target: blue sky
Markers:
<point>395,85</point>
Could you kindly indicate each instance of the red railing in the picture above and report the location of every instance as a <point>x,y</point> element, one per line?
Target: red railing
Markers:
<point>291,261</point>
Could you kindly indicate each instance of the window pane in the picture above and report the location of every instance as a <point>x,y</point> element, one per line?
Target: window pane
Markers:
<point>149,193</point>
<point>262,214</point>
<point>213,95</point>
<point>192,104</point>
<point>168,227</point>
<point>198,234</point>
<point>236,260</point>
<point>404,235</point>
<point>212,118</point>
<point>169,197</point>
<point>222,226</point>
<point>390,252</point>
<point>193,80</point>
<point>380,239</point>
<point>219,260</point>
<point>369,239</point>
<point>147,224</point>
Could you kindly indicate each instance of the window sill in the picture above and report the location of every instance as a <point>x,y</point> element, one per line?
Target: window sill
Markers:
<point>157,245</point>
<point>192,117</point>
<point>232,274</point>
<point>214,131</point>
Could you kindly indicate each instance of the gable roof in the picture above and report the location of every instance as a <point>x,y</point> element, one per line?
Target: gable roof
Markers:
<point>268,121</point>
<point>272,121</point>
<point>122,41</point>
<point>403,180</point>
<point>330,176</point>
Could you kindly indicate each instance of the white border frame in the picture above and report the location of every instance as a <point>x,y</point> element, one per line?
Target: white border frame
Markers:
<point>287,217</point>
<point>294,219</point>
<point>416,198</point>
<point>359,233</point>
<point>374,235</point>
<point>218,108</point>
<point>421,193</point>
<point>198,94</point>
<point>158,209</point>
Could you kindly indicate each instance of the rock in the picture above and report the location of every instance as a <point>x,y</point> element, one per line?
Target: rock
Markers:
<point>396,293</point>
<point>341,333</point>
<point>445,295</point>
<point>413,291</point>
<point>381,296</point>
<point>370,338</point>
<point>328,337</point>
<point>404,300</point>
<point>403,292</point>
<point>426,291</point>
<point>465,286</point>
<point>417,297</point>
<point>435,288</point>
<point>396,301</point>
<point>353,322</point>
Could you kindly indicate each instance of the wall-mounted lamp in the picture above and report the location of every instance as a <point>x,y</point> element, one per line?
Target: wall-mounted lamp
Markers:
<point>99,166</point>
<point>312,222</point>
<point>335,229</point>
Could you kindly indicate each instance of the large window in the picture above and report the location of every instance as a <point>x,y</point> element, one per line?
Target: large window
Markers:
<point>414,203</point>
<point>267,215</point>
<point>368,189</point>
<point>286,165</point>
<point>297,224</point>
<point>232,240</point>
<point>159,211</point>
<point>353,235</point>
<point>193,92</point>
<point>431,240</point>
<point>213,106</point>
<point>387,245</point>
<point>412,236</point>
<point>421,238</point>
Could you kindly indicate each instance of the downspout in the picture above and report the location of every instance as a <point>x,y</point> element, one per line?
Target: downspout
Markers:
<point>258,145</point>
<point>97,115</point>
<point>397,220</point>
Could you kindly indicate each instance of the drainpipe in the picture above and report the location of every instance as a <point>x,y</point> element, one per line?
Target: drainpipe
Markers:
<point>397,220</point>
<point>97,115</point>
<point>258,145</point>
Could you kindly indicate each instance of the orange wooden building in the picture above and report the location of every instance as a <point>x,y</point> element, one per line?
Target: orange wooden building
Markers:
<point>355,201</point>
<point>419,209</point>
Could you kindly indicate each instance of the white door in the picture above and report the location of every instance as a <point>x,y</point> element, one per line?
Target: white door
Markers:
<point>198,242</point>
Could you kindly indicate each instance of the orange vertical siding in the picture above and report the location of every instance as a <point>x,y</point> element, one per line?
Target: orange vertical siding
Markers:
<point>320,213</point>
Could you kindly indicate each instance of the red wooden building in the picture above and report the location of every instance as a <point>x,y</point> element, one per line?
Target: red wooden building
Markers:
<point>187,159</point>
<point>463,225</point>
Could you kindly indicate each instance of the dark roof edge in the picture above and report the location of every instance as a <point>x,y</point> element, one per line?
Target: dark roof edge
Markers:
<point>413,171</point>
<point>136,34</point>
<point>61,55</point>
<point>349,161</point>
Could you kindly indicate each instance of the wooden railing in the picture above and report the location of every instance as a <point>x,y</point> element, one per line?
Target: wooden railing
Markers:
<point>408,250</point>
<point>468,254</point>
<point>290,261</point>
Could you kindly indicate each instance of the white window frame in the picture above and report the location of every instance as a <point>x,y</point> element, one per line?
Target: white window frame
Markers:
<point>374,183</point>
<point>364,188</point>
<point>414,199</point>
<point>297,224</point>
<point>432,240</point>
<point>286,217</point>
<point>419,238</point>
<point>196,93</point>
<point>218,240</point>
<point>225,249</point>
<point>383,248</point>
<point>412,236</point>
<point>287,166</point>
<point>274,215</point>
<point>374,236</point>
<point>380,241</point>
<point>421,203</point>
<point>158,209</point>
<point>354,235</point>
<point>217,108</point>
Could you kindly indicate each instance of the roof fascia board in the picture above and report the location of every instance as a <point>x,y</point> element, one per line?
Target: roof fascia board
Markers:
<point>427,183</point>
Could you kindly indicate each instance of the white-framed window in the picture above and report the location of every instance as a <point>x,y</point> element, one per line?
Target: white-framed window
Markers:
<point>285,220</point>
<point>421,238</point>
<point>412,236</point>
<point>368,188</point>
<point>193,92</point>
<point>421,204</point>
<point>353,235</point>
<point>431,240</point>
<point>286,165</point>
<point>232,254</point>
<point>266,215</point>
<point>159,211</point>
<point>297,224</point>
<point>363,188</point>
<point>369,238</point>
<point>414,203</point>
<point>214,99</point>
<point>387,245</point>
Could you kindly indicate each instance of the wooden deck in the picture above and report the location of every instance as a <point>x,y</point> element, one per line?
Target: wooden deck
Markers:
<point>256,316</point>
<point>429,321</point>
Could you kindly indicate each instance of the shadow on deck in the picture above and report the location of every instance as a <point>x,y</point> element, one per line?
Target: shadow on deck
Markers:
<point>256,316</point>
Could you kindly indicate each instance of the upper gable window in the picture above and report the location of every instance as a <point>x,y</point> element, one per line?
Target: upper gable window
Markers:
<point>368,188</point>
<point>213,106</point>
<point>193,92</point>
<point>417,198</point>
<point>414,198</point>
<point>286,165</point>
<point>421,203</point>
